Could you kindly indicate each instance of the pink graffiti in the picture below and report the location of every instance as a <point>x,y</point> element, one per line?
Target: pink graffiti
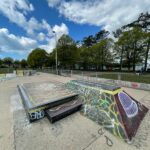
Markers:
<point>134,85</point>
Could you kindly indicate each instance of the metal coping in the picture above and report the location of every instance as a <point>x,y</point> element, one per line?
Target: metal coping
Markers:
<point>24,96</point>
<point>99,85</point>
<point>62,111</point>
<point>30,107</point>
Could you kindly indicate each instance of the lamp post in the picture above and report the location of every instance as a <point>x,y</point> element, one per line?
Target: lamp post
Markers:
<point>56,61</point>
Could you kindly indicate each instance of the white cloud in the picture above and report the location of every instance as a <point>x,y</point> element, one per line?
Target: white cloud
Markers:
<point>41,36</point>
<point>110,14</point>
<point>53,3</point>
<point>16,11</point>
<point>20,44</point>
<point>11,43</point>
<point>59,31</point>
<point>49,46</point>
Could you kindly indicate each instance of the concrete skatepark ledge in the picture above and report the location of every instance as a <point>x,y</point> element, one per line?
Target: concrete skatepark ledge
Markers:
<point>42,96</point>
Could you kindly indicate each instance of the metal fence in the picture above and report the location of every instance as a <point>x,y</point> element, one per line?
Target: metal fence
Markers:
<point>121,76</point>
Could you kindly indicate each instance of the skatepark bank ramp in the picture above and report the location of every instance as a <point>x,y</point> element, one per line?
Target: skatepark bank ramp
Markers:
<point>111,107</point>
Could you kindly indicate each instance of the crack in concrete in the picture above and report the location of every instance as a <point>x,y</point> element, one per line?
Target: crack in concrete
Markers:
<point>109,142</point>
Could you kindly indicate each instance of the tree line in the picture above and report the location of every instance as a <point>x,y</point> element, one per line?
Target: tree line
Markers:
<point>125,47</point>
<point>9,62</point>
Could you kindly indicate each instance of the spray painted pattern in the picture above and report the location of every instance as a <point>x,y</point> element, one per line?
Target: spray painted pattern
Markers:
<point>112,108</point>
<point>100,107</point>
<point>130,107</point>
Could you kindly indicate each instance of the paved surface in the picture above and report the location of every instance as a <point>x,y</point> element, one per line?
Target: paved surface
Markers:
<point>75,132</point>
<point>44,92</point>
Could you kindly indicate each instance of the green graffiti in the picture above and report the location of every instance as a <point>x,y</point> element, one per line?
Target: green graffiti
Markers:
<point>100,107</point>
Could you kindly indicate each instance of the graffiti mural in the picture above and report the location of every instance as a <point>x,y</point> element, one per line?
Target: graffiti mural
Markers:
<point>129,106</point>
<point>101,106</point>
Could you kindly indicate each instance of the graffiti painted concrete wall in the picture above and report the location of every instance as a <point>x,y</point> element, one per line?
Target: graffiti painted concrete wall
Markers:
<point>134,85</point>
<point>102,107</point>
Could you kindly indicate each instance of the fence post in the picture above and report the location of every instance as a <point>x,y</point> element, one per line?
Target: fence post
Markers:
<point>71,73</point>
<point>96,77</point>
<point>119,76</point>
<point>82,78</point>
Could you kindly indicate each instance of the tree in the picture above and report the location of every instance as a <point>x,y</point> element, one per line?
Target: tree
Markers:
<point>37,58</point>
<point>1,62</point>
<point>51,59</point>
<point>117,33</point>
<point>87,57</point>
<point>102,52</point>
<point>88,41</point>
<point>67,52</point>
<point>8,61</point>
<point>129,46</point>
<point>143,22</point>
<point>16,64</point>
<point>147,42</point>
<point>23,63</point>
<point>101,35</point>
<point>65,40</point>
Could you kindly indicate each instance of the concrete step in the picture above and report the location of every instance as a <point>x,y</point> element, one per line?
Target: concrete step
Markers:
<point>36,111</point>
<point>61,111</point>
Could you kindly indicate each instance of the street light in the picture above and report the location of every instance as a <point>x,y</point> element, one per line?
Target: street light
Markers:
<point>56,61</point>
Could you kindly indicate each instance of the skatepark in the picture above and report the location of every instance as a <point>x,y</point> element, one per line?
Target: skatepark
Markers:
<point>76,131</point>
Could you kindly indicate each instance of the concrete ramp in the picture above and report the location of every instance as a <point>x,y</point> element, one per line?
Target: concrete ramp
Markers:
<point>111,107</point>
<point>40,96</point>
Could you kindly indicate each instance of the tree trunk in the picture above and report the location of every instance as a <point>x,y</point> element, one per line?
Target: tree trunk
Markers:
<point>102,65</point>
<point>134,56</point>
<point>121,59</point>
<point>128,61</point>
<point>146,57</point>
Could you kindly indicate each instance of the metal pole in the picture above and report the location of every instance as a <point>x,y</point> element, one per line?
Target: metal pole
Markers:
<point>56,61</point>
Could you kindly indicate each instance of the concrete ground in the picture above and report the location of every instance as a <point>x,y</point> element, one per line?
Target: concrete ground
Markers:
<point>75,132</point>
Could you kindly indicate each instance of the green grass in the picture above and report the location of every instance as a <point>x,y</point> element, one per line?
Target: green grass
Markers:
<point>127,77</point>
<point>6,70</point>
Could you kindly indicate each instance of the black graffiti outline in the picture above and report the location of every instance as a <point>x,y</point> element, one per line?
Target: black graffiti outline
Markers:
<point>37,115</point>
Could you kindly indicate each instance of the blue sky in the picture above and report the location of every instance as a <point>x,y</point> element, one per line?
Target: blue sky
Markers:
<point>27,24</point>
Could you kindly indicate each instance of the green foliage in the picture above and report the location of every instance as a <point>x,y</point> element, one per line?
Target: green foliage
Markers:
<point>101,35</point>
<point>86,57</point>
<point>8,61</point>
<point>16,64</point>
<point>97,55</point>
<point>88,41</point>
<point>1,62</point>
<point>129,47</point>
<point>37,58</point>
<point>142,23</point>
<point>23,63</point>
<point>65,40</point>
<point>67,51</point>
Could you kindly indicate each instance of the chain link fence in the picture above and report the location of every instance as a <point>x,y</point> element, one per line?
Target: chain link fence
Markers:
<point>93,75</point>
